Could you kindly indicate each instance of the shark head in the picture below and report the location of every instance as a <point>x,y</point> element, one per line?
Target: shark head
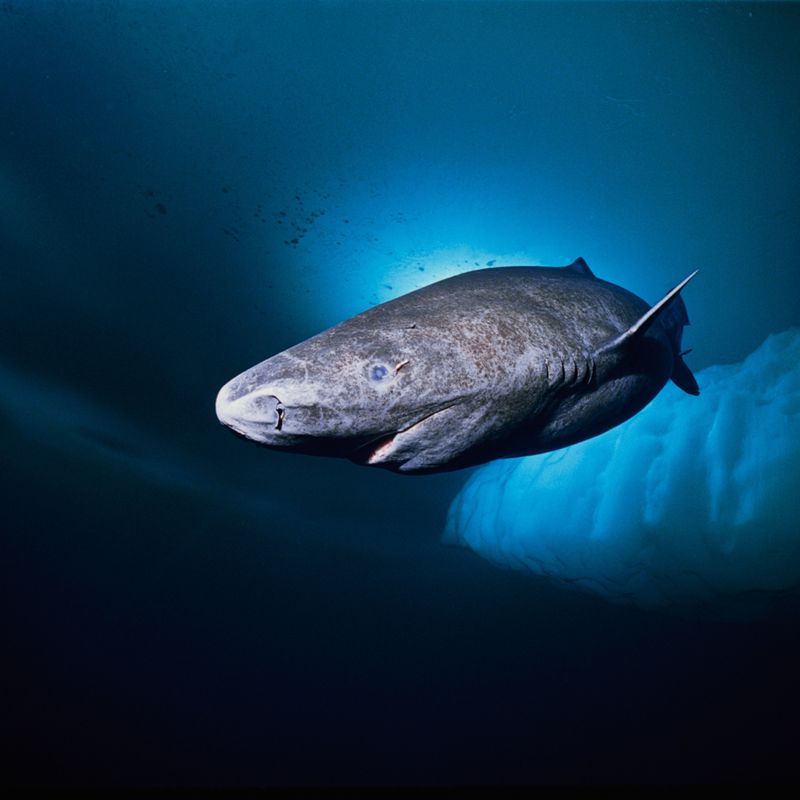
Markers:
<point>380,389</point>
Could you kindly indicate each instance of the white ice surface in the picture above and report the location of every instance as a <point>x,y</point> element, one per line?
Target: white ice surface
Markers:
<point>695,501</point>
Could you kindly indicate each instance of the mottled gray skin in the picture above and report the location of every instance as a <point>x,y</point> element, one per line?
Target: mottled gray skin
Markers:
<point>488,364</point>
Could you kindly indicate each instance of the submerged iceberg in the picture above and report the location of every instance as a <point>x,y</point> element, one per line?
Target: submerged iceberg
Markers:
<point>693,502</point>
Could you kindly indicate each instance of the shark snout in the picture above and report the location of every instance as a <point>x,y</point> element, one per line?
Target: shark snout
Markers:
<point>257,414</point>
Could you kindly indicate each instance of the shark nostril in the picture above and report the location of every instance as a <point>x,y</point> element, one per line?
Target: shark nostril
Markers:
<point>281,414</point>
<point>266,409</point>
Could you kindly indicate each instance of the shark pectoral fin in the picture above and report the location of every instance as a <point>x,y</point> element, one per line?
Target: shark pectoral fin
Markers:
<point>683,378</point>
<point>612,352</point>
<point>642,325</point>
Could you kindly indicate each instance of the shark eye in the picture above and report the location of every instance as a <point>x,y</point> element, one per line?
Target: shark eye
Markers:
<point>378,372</point>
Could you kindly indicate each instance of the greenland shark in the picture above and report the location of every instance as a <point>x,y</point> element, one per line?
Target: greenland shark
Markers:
<point>493,363</point>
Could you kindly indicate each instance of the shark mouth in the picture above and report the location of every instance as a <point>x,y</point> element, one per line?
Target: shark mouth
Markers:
<point>381,451</point>
<point>378,452</point>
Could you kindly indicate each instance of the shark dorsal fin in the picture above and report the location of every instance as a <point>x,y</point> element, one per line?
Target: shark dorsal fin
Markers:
<point>581,267</point>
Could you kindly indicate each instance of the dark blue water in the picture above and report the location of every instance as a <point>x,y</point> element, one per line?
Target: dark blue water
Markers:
<point>187,188</point>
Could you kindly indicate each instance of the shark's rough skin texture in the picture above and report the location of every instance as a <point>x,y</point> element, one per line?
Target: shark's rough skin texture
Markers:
<point>488,364</point>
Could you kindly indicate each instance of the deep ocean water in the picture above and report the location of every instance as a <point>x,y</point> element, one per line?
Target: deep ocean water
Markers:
<point>188,188</point>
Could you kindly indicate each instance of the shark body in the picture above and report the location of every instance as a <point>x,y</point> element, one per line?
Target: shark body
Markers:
<point>494,363</point>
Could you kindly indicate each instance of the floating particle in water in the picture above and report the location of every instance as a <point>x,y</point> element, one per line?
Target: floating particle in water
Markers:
<point>161,208</point>
<point>225,189</point>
